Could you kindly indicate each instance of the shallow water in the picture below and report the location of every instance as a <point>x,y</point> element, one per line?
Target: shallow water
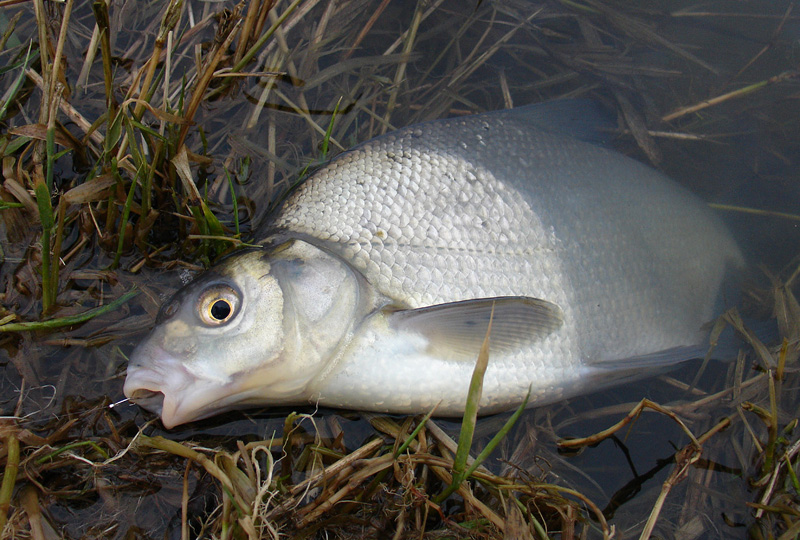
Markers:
<point>646,56</point>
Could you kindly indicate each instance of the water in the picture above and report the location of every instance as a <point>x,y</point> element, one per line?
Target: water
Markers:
<point>653,56</point>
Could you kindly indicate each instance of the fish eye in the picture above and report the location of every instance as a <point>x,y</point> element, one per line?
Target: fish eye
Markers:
<point>220,309</point>
<point>217,305</point>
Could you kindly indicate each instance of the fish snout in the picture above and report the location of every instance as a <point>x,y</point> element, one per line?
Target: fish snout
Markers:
<point>143,388</point>
<point>158,382</point>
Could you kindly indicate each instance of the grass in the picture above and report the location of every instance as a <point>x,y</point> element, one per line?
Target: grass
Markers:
<point>142,141</point>
<point>67,320</point>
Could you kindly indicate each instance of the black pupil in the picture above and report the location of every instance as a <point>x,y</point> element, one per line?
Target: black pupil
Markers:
<point>220,310</point>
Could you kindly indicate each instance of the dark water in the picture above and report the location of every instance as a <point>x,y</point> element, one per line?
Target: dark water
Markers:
<point>647,58</point>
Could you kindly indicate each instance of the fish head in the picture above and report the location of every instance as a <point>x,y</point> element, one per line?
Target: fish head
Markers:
<point>254,330</point>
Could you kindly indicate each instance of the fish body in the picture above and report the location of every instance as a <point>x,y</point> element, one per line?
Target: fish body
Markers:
<point>380,273</point>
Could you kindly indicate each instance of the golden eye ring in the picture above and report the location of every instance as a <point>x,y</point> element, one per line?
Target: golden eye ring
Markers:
<point>217,305</point>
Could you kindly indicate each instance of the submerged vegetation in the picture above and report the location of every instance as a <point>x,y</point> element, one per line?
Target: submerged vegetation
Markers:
<point>140,141</point>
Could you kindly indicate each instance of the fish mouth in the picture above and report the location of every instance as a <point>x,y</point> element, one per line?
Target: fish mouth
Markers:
<point>160,386</point>
<point>150,400</point>
<point>163,385</point>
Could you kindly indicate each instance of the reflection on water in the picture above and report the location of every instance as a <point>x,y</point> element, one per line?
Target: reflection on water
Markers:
<point>644,59</point>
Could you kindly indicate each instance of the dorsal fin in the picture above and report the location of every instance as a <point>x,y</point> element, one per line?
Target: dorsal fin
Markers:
<point>581,119</point>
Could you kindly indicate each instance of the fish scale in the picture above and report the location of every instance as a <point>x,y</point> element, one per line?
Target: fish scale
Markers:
<point>392,255</point>
<point>380,273</point>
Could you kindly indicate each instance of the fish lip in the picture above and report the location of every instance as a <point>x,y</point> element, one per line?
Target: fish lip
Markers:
<point>161,384</point>
<point>149,383</point>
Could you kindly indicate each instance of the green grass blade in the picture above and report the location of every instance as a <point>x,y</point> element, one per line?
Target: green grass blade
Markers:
<point>102,20</point>
<point>17,84</point>
<point>499,436</point>
<point>327,138</point>
<point>70,319</point>
<point>147,184</point>
<point>114,133</point>
<point>126,212</point>
<point>50,148</point>
<point>214,226</point>
<point>9,477</point>
<point>15,144</point>
<point>235,203</point>
<point>470,417</point>
<point>202,226</point>
<point>146,129</point>
<point>413,435</point>
<point>55,453</point>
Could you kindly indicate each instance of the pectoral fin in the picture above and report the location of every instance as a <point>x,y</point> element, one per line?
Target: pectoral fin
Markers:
<point>456,330</point>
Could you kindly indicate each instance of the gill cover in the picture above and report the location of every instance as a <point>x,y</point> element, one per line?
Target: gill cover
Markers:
<point>256,329</point>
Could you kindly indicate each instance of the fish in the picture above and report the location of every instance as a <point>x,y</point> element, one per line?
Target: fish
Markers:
<point>373,285</point>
